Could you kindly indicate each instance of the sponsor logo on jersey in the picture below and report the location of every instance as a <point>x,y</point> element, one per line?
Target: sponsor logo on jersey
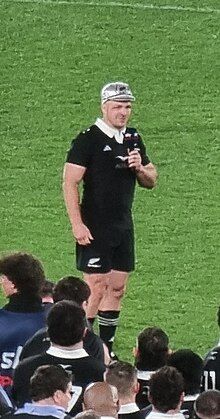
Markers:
<point>107,148</point>
<point>122,158</point>
<point>121,162</point>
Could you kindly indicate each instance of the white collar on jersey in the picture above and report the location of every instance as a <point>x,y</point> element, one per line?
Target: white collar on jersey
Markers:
<point>107,417</point>
<point>109,131</point>
<point>144,375</point>
<point>191,397</point>
<point>159,415</point>
<point>67,354</point>
<point>128,408</point>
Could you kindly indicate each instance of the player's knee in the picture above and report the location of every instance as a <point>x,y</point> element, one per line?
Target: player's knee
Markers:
<point>98,286</point>
<point>118,292</point>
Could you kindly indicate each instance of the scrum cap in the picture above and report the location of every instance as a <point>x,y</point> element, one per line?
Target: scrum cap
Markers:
<point>117,91</point>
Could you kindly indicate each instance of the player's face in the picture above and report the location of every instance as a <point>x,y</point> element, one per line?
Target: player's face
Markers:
<point>63,397</point>
<point>116,114</point>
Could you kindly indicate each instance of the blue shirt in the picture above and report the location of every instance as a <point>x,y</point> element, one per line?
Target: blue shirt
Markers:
<point>39,410</point>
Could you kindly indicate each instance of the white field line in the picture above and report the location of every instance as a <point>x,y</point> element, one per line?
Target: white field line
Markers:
<point>125,5</point>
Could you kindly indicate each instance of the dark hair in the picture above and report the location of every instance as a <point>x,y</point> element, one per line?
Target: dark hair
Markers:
<point>46,380</point>
<point>66,323</point>
<point>190,365</point>
<point>24,270</point>
<point>208,404</point>
<point>71,288</point>
<point>152,349</point>
<point>47,288</point>
<point>165,388</point>
<point>218,317</point>
<point>122,375</point>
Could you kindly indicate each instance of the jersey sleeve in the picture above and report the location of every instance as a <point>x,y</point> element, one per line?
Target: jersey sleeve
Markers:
<point>144,157</point>
<point>80,151</point>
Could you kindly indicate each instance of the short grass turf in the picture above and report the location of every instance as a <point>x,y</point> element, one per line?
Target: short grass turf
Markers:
<point>54,60</point>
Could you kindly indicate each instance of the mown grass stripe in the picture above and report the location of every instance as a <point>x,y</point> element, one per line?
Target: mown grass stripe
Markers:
<point>127,5</point>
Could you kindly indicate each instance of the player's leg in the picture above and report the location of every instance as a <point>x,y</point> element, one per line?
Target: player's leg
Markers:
<point>116,287</point>
<point>95,263</point>
<point>109,308</point>
<point>98,284</point>
<point>122,263</point>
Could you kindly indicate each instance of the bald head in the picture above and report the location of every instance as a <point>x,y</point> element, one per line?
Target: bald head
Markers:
<point>87,414</point>
<point>102,398</point>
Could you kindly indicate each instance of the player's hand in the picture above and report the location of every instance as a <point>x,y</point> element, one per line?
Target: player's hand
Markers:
<point>82,234</point>
<point>134,160</point>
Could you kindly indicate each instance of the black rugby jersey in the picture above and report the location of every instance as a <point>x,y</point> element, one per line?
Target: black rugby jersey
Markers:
<point>84,368</point>
<point>108,184</point>
<point>40,342</point>
<point>211,371</point>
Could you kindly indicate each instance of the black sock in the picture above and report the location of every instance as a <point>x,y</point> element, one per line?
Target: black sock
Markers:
<point>108,322</point>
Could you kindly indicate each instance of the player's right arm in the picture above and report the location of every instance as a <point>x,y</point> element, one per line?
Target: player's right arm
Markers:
<point>72,176</point>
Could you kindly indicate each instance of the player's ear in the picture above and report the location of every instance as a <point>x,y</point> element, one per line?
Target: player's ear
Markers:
<point>84,305</point>
<point>57,396</point>
<point>136,387</point>
<point>135,351</point>
<point>182,397</point>
<point>103,108</point>
<point>150,398</point>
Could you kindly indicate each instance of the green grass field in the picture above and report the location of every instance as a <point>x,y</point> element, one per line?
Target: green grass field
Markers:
<point>55,56</point>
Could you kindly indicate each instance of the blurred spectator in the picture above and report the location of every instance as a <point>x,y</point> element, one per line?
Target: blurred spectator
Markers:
<point>102,398</point>
<point>123,376</point>
<point>87,414</point>
<point>211,371</point>
<point>50,390</point>
<point>166,394</point>
<point>150,354</point>
<point>73,289</point>
<point>218,321</point>
<point>46,291</point>
<point>190,365</point>
<point>6,404</point>
<point>66,327</point>
<point>21,277</point>
<point>207,406</point>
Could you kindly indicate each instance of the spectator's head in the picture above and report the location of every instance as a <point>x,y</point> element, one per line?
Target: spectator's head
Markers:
<point>46,291</point>
<point>87,414</point>
<point>21,273</point>
<point>66,323</point>
<point>218,317</point>
<point>207,405</point>
<point>72,288</point>
<point>102,398</point>
<point>152,349</point>
<point>51,384</point>
<point>166,389</point>
<point>190,365</point>
<point>123,376</point>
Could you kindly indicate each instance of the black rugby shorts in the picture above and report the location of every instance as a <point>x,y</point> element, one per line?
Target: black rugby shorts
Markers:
<point>109,250</point>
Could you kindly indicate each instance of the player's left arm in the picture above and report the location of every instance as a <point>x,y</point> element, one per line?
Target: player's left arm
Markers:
<point>146,174</point>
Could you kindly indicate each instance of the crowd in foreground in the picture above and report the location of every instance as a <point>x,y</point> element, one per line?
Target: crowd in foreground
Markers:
<point>53,365</point>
